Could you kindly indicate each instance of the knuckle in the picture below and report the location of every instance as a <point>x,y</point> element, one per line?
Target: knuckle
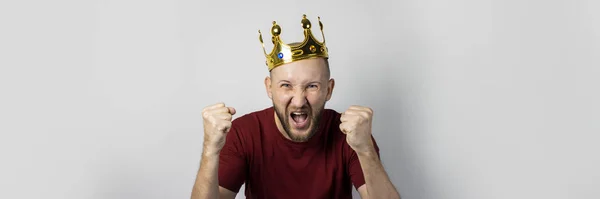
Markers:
<point>365,115</point>
<point>361,119</point>
<point>223,110</point>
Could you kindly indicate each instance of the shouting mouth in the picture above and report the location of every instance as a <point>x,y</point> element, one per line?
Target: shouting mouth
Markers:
<point>299,119</point>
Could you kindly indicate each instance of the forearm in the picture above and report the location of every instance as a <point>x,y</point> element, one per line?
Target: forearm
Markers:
<point>376,179</point>
<point>207,182</point>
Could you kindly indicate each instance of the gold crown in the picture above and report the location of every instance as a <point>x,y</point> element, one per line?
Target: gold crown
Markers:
<point>283,53</point>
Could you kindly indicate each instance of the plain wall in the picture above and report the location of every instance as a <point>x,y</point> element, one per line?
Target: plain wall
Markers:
<point>473,99</point>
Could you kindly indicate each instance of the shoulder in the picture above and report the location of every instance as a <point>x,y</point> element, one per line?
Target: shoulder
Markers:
<point>330,122</point>
<point>332,115</point>
<point>253,119</point>
<point>246,130</point>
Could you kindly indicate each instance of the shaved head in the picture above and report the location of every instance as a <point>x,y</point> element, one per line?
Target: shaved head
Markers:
<point>326,70</point>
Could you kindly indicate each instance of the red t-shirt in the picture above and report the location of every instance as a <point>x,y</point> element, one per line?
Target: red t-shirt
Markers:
<point>272,166</point>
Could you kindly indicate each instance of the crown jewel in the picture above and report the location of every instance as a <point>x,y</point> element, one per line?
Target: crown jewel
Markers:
<point>283,53</point>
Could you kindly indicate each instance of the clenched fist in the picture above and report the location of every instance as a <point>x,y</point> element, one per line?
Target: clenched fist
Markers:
<point>356,124</point>
<point>217,122</point>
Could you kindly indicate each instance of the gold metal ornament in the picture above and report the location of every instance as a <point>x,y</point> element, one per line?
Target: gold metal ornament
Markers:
<point>283,53</point>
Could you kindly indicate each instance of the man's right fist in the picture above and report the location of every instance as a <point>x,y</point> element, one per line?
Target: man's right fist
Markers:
<point>217,122</point>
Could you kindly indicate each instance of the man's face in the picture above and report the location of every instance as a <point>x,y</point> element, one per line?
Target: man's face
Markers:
<point>299,91</point>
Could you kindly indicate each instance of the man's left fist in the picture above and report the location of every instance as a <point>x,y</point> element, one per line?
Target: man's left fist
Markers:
<point>356,124</point>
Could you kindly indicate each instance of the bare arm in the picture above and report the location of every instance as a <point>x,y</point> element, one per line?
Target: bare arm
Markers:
<point>217,122</point>
<point>356,123</point>
<point>377,184</point>
<point>207,183</point>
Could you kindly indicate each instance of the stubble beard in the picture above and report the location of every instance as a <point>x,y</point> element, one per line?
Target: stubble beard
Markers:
<point>315,119</point>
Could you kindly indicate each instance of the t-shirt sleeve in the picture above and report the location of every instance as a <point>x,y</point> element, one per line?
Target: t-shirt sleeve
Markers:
<point>232,161</point>
<point>355,170</point>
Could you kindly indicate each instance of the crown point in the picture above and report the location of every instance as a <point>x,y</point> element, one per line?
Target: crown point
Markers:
<point>305,23</point>
<point>304,16</point>
<point>275,30</point>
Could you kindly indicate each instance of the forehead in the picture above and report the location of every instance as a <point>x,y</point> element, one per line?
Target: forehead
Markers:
<point>302,70</point>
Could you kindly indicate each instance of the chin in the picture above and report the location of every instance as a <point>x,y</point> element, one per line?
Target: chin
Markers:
<point>302,135</point>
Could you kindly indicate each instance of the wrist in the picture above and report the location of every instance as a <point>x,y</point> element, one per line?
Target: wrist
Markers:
<point>369,152</point>
<point>210,151</point>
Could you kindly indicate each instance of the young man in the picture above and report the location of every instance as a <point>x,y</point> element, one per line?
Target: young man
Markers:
<point>297,148</point>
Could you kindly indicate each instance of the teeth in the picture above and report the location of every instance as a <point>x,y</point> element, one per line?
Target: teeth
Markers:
<point>296,113</point>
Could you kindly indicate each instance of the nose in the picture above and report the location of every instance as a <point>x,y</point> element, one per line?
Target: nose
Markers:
<point>299,98</point>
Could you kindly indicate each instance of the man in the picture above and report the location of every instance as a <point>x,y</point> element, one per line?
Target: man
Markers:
<point>297,148</point>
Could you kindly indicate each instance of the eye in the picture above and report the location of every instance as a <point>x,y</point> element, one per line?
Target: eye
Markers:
<point>286,85</point>
<point>313,86</point>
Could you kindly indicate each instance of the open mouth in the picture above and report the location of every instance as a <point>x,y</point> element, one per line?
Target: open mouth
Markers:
<point>299,119</point>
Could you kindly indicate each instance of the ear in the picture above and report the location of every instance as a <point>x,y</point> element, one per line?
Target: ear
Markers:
<point>268,86</point>
<point>330,86</point>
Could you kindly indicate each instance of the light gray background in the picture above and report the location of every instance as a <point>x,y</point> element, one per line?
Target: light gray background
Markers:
<point>473,98</point>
